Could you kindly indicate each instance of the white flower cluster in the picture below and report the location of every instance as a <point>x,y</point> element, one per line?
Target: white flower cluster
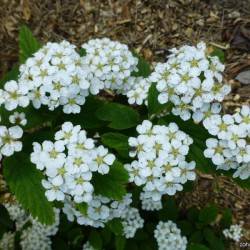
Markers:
<point>161,166</point>
<point>168,236</point>
<point>36,236</point>
<point>99,210</point>
<point>132,221</point>
<point>231,150</point>
<point>9,140</point>
<point>235,232</point>
<point>149,204</point>
<point>138,94</point>
<point>7,242</point>
<point>53,76</point>
<point>110,64</point>
<point>69,163</point>
<point>190,79</point>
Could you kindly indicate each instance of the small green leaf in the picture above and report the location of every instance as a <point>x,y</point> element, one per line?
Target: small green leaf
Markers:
<point>208,214</point>
<point>115,226</point>
<point>219,53</point>
<point>154,107</point>
<point>117,141</point>
<point>186,227</point>
<point>112,185</point>
<point>143,66</point>
<point>119,116</point>
<point>82,52</point>
<point>120,242</point>
<point>24,181</point>
<point>82,207</point>
<point>226,219</point>
<point>28,44</point>
<point>169,211</point>
<point>212,239</point>
<point>95,239</point>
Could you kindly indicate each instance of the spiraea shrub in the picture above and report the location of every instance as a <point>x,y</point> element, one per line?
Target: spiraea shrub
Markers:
<point>95,143</point>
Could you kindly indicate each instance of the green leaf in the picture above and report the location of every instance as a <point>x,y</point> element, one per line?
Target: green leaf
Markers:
<point>115,226</point>
<point>196,237</point>
<point>194,246</point>
<point>208,214</point>
<point>95,239</point>
<point>82,207</point>
<point>154,107</point>
<point>5,220</point>
<point>11,75</point>
<point>186,227</point>
<point>82,52</point>
<point>169,211</point>
<point>226,219</point>
<point>120,243</point>
<point>143,66</point>
<point>219,53</point>
<point>28,44</point>
<point>193,214</point>
<point>117,141</point>
<point>112,185</point>
<point>212,239</point>
<point>24,181</point>
<point>119,116</point>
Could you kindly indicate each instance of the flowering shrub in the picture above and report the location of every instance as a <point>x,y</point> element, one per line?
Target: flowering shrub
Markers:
<point>97,142</point>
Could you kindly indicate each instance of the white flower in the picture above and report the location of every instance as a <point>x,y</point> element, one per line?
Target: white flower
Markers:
<point>9,140</point>
<point>168,236</point>
<point>15,95</point>
<point>18,118</point>
<point>234,232</point>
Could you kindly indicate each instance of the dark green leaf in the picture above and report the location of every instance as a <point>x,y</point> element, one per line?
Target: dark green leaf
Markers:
<point>28,44</point>
<point>196,237</point>
<point>169,211</point>
<point>208,214</point>
<point>117,141</point>
<point>95,239</point>
<point>82,52</point>
<point>11,75</point>
<point>115,226</point>
<point>186,227</point>
<point>24,181</point>
<point>154,107</point>
<point>226,219</point>
<point>112,184</point>
<point>119,116</point>
<point>212,239</point>
<point>197,247</point>
<point>5,220</point>
<point>143,67</point>
<point>120,242</point>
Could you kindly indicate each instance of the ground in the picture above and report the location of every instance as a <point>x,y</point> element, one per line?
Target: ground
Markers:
<point>151,27</point>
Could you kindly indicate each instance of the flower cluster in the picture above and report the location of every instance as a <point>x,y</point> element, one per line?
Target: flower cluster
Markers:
<point>110,64</point>
<point>235,232</point>
<point>161,166</point>
<point>149,204</point>
<point>7,242</point>
<point>168,236</point>
<point>190,79</point>
<point>98,211</point>
<point>69,163</point>
<point>33,234</point>
<point>231,150</point>
<point>132,221</point>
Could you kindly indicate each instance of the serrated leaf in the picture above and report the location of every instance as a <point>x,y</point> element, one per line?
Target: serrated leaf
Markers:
<point>24,181</point>
<point>95,240</point>
<point>115,226</point>
<point>28,44</point>
<point>208,214</point>
<point>112,185</point>
<point>117,141</point>
<point>119,116</point>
